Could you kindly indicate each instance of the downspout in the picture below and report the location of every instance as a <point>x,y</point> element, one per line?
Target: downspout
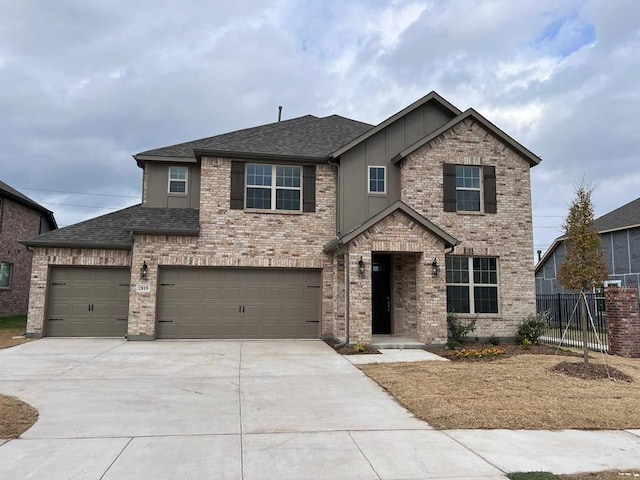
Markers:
<point>346,266</point>
<point>346,304</point>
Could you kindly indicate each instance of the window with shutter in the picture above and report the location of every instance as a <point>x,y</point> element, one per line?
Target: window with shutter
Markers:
<point>469,188</point>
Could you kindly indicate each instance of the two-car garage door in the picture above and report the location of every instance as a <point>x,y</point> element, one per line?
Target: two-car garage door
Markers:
<point>238,303</point>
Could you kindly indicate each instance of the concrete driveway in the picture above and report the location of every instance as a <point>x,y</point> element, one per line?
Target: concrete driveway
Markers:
<point>111,409</point>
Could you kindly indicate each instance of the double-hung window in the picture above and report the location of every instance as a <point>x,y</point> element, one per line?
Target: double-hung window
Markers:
<point>177,179</point>
<point>472,284</point>
<point>273,187</point>
<point>5,275</point>
<point>377,180</point>
<point>467,188</point>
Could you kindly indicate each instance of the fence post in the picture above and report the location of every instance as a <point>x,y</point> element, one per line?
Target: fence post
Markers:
<point>623,321</point>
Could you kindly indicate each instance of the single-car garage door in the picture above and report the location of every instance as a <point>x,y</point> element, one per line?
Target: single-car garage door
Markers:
<point>88,302</point>
<point>238,303</point>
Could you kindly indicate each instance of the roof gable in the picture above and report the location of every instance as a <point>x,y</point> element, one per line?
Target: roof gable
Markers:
<point>448,240</point>
<point>430,97</point>
<point>486,124</point>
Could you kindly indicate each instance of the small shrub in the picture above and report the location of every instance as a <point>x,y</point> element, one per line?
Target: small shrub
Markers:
<point>526,343</point>
<point>493,340</point>
<point>533,327</point>
<point>361,347</point>
<point>458,331</point>
<point>452,345</point>
<point>477,353</point>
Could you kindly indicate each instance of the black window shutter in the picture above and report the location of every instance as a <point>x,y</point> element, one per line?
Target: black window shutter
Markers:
<point>449,181</point>
<point>309,188</point>
<point>237,185</point>
<point>489,184</point>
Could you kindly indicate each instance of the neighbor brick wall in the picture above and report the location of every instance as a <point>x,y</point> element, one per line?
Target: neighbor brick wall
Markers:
<point>43,258</point>
<point>623,321</point>
<point>238,238</point>
<point>18,223</point>
<point>506,234</point>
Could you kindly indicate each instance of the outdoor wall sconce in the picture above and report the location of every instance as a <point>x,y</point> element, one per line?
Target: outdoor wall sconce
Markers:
<point>361,267</point>
<point>144,270</point>
<point>435,268</point>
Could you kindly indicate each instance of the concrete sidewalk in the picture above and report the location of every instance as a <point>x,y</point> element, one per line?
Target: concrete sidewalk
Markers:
<point>251,410</point>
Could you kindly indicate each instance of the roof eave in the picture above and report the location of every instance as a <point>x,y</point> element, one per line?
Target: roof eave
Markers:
<point>200,152</point>
<point>165,231</point>
<point>97,245</point>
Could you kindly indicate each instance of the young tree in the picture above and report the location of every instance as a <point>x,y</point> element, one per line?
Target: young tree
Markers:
<point>584,267</point>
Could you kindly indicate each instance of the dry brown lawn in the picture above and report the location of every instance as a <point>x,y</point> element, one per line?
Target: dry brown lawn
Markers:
<point>519,392</point>
<point>16,417</point>
<point>7,338</point>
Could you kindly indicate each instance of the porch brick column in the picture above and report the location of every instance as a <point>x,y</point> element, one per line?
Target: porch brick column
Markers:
<point>623,321</point>
<point>359,297</point>
<point>432,302</point>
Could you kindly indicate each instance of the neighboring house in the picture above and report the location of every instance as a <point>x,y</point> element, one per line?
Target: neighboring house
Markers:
<point>299,228</point>
<point>620,234</point>
<point>20,218</point>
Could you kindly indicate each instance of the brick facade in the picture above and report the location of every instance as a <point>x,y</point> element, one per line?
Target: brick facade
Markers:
<point>18,223</point>
<point>506,234</point>
<point>623,321</point>
<point>44,258</point>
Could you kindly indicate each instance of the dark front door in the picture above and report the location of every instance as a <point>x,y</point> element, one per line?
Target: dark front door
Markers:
<point>381,294</point>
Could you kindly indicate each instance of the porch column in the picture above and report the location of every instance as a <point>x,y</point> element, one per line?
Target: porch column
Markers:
<point>432,301</point>
<point>359,296</point>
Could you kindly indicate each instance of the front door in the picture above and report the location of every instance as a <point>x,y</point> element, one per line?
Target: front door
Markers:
<point>381,294</point>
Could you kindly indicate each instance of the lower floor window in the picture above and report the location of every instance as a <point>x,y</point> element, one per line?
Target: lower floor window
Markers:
<point>472,284</point>
<point>5,275</point>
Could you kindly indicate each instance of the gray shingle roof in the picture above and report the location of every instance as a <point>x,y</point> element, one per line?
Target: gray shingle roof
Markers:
<point>113,230</point>
<point>626,216</point>
<point>307,136</point>
<point>13,194</point>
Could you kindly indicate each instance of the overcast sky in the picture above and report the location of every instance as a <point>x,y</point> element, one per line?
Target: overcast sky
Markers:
<point>86,84</point>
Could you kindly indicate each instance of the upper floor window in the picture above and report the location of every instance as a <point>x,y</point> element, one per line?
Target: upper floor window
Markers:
<point>273,187</point>
<point>467,189</point>
<point>177,179</point>
<point>5,275</point>
<point>472,284</point>
<point>377,182</point>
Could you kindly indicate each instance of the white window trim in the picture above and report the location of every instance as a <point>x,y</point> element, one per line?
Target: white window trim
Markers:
<point>471,284</point>
<point>479,189</point>
<point>384,168</point>
<point>274,188</point>
<point>185,181</point>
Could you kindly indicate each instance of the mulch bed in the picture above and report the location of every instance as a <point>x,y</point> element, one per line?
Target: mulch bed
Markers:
<point>591,371</point>
<point>510,350</point>
<point>349,350</point>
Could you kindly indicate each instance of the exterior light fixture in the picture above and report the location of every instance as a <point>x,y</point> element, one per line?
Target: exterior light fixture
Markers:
<point>435,268</point>
<point>144,270</point>
<point>361,267</point>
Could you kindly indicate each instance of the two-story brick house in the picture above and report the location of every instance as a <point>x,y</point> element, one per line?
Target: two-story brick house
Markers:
<point>20,218</point>
<point>299,228</point>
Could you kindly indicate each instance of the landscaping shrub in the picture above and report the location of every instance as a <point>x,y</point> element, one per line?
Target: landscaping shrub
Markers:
<point>532,328</point>
<point>458,330</point>
<point>453,345</point>
<point>493,340</point>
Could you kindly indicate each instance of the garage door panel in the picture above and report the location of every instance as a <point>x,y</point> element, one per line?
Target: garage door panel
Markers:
<point>87,301</point>
<point>239,303</point>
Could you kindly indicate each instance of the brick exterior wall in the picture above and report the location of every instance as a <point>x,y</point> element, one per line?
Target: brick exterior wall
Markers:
<point>405,316</point>
<point>18,223</point>
<point>238,238</point>
<point>398,233</point>
<point>623,321</point>
<point>43,258</point>
<point>506,234</point>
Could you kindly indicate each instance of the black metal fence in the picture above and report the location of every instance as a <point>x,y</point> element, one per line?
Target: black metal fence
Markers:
<point>565,327</point>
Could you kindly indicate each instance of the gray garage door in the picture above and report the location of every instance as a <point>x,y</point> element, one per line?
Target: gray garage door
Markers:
<point>238,303</point>
<point>88,302</point>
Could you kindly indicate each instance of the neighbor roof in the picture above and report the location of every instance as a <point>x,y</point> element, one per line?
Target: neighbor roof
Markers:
<point>13,194</point>
<point>113,230</point>
<point>302,137</point>
<point>626,216</point>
